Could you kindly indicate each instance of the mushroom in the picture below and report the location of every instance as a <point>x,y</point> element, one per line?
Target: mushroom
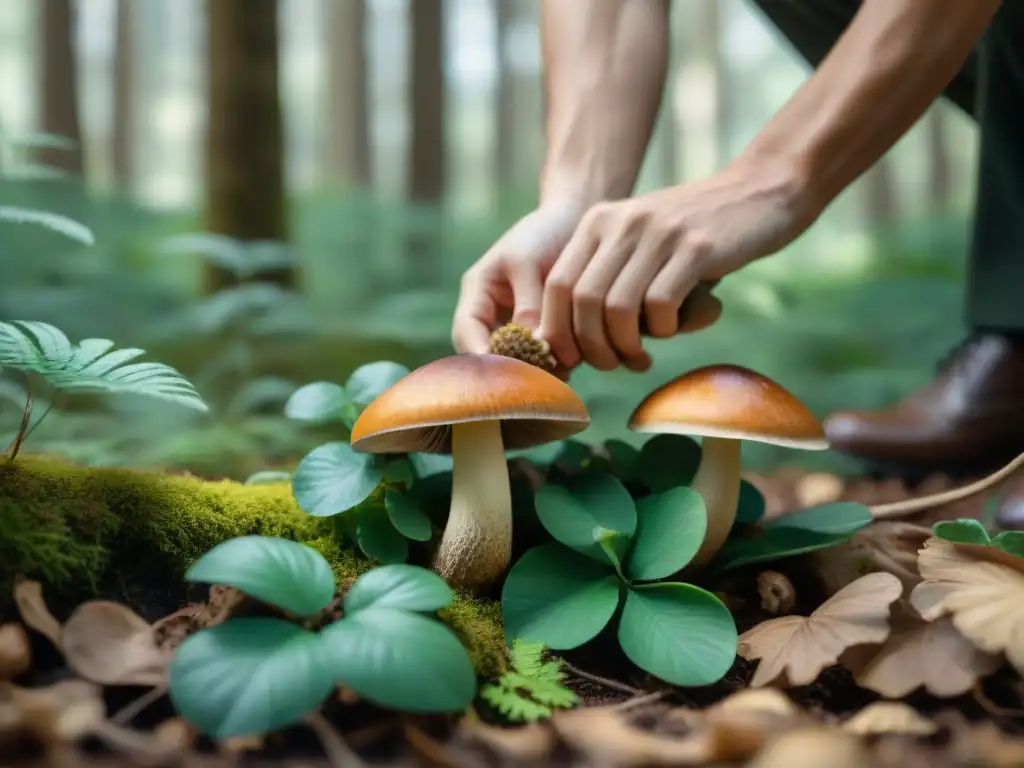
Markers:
<point>474,407</point>
<point>726,404</point>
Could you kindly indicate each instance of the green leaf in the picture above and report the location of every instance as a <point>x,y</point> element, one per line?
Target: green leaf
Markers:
<point>679,633</point>
<point>319,402</point>
<point>1011,542</point>
<point>429,464</point>
<point>400,660</point>
<point>399,471</point>
<point>624,458</point>
<point>276,571</point>
<point>401,586</point>
<point>377,537</point>
<point>406,516</point>
<point>965,531</point>
<point>368,381</point>
<point>516,707</point>
<point>751,505</point>
<point>838,517</point>
<point>668,461</point>
<point>571,513</point>
<point>771,544</point>
<point>268,477</point>
<point>248,676</point>
<point>54,222</point>
<point>333,478</point>
<point>556,596</point>
<point>670,529</point>
<point>90,366</point>
<point>527,658</point>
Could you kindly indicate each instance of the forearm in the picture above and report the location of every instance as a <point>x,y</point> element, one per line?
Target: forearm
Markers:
<point>895,58</point>
<point>606,64</point>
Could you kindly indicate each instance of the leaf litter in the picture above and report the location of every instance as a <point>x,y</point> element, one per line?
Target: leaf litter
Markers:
<point>924,635</point>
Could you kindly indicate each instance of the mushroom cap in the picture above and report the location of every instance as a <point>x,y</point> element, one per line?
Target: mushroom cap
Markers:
<point>732,402</point>
<point>417,412</point>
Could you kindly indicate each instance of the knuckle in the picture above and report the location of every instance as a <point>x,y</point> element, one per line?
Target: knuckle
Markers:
<point>558,288</point>
<point>698,243</point>
<point>585,297</point>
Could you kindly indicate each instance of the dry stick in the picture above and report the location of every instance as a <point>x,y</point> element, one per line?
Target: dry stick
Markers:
<point>613,684</point>
<point>638,701</point>
<point>899,508</point>
<point>337,751</point>
<point>23,428</point>
<point>128,713</point>
<point>990,706</point>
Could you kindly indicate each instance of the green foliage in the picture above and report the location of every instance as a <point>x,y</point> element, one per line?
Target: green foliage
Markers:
<point>531,688</point>
<point>52,221</point>
<point>254,675</point>
<point>970,531</point>
<point>611,550</point>
<point>796,534</point>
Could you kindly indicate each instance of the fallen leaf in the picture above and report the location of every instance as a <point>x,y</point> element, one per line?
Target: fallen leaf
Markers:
<point>15,651</point>
<point>28,596</point>
<point>110,644</point>
<point>989,746</point>
<point>920,654</point>
<point>813,747</point>
<point>526,744</point>
<point>795,649</point>
<point>66,711</point>
<point>762,700</point>
<point>602,735</point>
<point>985,599</point>
<point>889,717</point>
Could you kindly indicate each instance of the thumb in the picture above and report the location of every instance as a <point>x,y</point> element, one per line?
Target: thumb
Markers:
<point>524,278</point>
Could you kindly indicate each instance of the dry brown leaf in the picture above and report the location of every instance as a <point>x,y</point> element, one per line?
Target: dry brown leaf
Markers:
<point>919,654</point>
<point>813,747</point>
<point>15,651</point>
<point>760,700</point>
<point>984,599</point>
<point>890,717</point>
<point>66,711</point>
<point>28,596</point>
<point>603,735</point>
<point>989,746</point>
<point>526,744</point>
<point>110,644</point>
<point>795,649</point>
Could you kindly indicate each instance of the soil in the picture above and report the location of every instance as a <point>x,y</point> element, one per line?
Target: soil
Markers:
<point>985,721</point>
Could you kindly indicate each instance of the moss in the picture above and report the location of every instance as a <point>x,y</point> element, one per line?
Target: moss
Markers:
<point>76,528</point>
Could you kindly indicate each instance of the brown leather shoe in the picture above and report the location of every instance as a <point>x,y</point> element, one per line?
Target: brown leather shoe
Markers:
<point>969,419</point>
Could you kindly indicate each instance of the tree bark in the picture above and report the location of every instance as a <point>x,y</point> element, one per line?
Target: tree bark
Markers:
<point>427,155</point>
<point>245,188</point>
<point>59,84</point>
<point>122,144</point>
<point>347,150</point>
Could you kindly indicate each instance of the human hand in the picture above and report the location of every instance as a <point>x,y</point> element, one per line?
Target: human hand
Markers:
<point>507,283</point>
<point>640,258</point>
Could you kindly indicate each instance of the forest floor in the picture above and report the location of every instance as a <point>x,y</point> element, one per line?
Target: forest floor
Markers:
<point>624,717</point>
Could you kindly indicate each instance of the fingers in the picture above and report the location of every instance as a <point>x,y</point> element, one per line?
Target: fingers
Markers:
<point>666,293</point>
<point>700,309</point>
<point>589,301</point>
<point>475,316</point>
<point>527,286</point>
<point>556,324</point>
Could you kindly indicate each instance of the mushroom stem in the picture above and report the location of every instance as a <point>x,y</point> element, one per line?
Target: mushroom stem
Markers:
<point>477,542</point>
<point>718,482</point>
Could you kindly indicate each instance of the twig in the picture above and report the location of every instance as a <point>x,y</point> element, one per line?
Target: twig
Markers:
<point>128,712</point>
<point>638,701</point>
<point>337,751</point>
<point>990,706</point>
<point>23,427</point>
<point>615,685</point>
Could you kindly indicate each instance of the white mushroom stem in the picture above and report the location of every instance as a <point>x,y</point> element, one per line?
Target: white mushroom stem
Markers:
<point>718,482</point>
<point>477,543</point>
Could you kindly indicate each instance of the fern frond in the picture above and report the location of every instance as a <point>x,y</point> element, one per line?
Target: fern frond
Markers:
<point>512,705</point>
<point>531,688</point>
<point>93,365</point>
<point>53,221</point>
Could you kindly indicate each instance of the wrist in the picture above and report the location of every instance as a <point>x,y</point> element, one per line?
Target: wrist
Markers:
<point>789,179</point>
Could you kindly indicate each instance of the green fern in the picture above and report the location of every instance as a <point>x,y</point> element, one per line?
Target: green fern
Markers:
<point>93,365</point>
<point>531,688</point>
<point>52,221</point>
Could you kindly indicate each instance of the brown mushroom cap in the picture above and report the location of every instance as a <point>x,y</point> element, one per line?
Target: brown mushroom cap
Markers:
<point>416,414</point>
<point>732,402</point>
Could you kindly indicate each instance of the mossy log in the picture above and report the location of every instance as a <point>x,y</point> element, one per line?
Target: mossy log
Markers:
<point>85,531</point>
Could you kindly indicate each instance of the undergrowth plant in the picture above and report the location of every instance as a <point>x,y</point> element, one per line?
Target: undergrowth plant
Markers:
<point>531,688</point>
<point>970,532</point>
<point>255,675</point>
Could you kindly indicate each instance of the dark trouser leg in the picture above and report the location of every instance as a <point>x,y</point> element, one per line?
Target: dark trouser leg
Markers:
<point>972,415</point>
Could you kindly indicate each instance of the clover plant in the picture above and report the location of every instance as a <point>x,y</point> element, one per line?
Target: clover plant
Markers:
<point>612,551</point>
<point>255,675</point>
<point>367,491</point>
<point>970,531</point>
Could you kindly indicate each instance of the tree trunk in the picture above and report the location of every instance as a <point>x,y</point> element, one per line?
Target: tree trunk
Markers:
<point>711,43</point>
<point>505,105</point>
<point>348,152</point>
<point>122,144</point>
<point>59,83</point>
<point>940,173</point>
<point>245,193</point>
<point>427,155</point>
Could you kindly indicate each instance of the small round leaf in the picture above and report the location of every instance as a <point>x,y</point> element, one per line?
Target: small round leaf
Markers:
<point>430,464</point>
<point>668,461</point>
<point>624,458</point>
<point>670,529</point>
<point>377,537</point>
<point>556,596</point>
<point>966,531</point>
<point>370,380</point>
<point>399,471</point>
<point>771,544</point>
<point>400,660</point>
<point>751,505</point>
<point>1011,542</point>
<point>334,478</point>
<point>406,516</point>
<point>679,633</point>
<point>318,402</point>
<point>276,571</point>
<point>594,501</point>
<point>835,518</point>
<point>400,586</point>
<point>248,676</point>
